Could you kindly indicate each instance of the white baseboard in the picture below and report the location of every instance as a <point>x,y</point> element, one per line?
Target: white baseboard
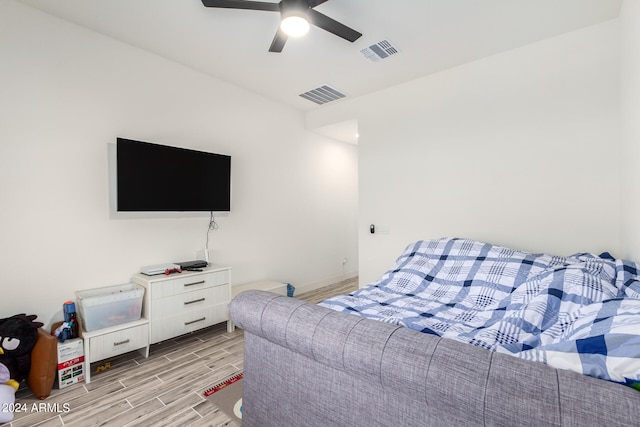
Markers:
<point>300,289</point>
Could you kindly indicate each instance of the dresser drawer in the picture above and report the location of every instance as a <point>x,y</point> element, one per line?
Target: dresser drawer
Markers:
<point>187,321</point>
<point>189,301</point>
<point>118,342</point>
<point>192,282</point>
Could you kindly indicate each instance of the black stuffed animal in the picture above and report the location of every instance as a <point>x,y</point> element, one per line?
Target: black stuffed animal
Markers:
<point>18,336</point>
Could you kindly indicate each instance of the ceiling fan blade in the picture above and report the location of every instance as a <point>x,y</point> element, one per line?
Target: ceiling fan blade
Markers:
<point>333,26</point>
<point>278,41</point>
<point>314,3</point>
<point>242,4</point>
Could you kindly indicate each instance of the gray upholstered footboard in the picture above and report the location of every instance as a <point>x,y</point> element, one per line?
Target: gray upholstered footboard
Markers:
<point>310,366</point>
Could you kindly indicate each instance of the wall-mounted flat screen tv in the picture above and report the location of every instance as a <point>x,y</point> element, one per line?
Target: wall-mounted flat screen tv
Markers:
<point>160,178</point>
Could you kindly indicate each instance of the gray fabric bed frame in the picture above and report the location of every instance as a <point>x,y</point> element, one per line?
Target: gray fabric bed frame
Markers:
<point>306,365</point>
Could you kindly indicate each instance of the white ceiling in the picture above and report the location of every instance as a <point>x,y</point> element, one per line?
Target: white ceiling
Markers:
<point>232,45</point>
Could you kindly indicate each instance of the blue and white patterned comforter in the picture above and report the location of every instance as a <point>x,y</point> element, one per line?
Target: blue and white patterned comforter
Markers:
<point>580,313</point>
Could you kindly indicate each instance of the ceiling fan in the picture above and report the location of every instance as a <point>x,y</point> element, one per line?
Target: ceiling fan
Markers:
<point>295,14</point>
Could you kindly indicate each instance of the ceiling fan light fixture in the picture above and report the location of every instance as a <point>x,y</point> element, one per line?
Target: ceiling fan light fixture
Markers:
<point>296,17</point>
<point>295,26</point>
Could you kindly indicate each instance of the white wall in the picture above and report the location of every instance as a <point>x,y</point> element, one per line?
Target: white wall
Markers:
<point>630,112</point>
<point>66,94</point>
<point>519,149</point>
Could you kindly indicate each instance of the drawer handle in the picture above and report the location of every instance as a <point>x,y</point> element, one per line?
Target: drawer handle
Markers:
<point>194,283</point>
<point>194,301</point>
<point>195,321</point>
<point>122,342</point>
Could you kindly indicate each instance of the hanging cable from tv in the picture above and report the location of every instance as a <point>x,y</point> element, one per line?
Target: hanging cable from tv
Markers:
<point>213,225</point>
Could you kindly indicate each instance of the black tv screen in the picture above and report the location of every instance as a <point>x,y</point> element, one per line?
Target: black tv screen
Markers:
<point>159,178</point>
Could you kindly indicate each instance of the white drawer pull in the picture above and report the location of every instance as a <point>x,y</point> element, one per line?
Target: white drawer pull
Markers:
<point>195,321</point>
<point>194,301</point>
<point>194,283</point>
<point>122,342</point>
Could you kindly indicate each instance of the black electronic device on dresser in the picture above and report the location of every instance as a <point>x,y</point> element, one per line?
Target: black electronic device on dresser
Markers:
<point>192,265</point>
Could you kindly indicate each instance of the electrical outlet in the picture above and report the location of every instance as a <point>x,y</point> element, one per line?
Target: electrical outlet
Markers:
<point>344,260</point>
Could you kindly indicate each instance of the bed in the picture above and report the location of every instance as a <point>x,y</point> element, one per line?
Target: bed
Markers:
<point>580,312</point>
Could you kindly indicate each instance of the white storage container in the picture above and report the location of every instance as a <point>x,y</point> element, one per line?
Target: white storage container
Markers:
<point>109,306</point>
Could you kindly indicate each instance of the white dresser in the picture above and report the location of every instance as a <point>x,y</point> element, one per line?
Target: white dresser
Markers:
<point>180,303</point>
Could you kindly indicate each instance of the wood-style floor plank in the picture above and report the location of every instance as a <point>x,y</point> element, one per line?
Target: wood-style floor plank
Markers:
<point>165,389</point>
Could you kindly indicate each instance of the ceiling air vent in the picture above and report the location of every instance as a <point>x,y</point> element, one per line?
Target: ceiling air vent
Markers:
<point>323,94</point>
<point>381,50</point>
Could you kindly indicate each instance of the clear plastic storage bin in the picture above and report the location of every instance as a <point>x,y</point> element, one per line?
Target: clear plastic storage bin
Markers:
<point>109,306</point>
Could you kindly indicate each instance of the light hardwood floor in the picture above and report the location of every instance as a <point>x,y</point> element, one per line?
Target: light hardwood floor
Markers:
<point>165,389</point>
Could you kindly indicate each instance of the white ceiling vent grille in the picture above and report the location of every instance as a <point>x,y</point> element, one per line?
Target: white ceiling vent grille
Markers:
<point>381,50</point>
<point>323,94</point>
